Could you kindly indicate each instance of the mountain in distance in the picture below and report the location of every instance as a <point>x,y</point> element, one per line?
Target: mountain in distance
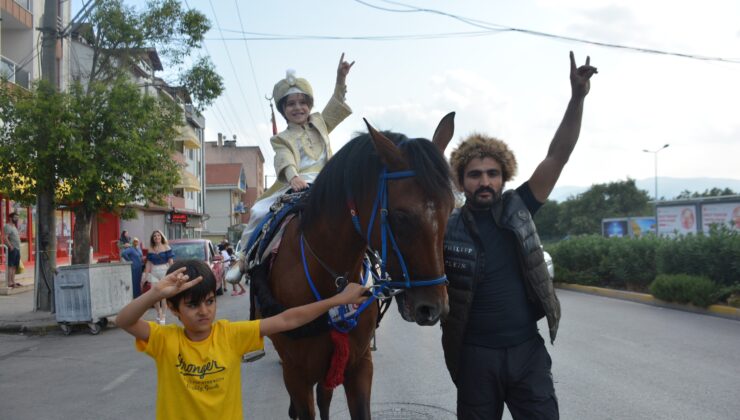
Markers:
<point>668,187</point>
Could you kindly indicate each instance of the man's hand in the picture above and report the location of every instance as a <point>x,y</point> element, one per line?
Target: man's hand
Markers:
<point>579,77</point>
<point>298,183</point>
<point>343,70</point>
<point>174,283</point>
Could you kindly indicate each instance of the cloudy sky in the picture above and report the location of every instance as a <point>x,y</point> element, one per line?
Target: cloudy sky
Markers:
<point>509,84</point>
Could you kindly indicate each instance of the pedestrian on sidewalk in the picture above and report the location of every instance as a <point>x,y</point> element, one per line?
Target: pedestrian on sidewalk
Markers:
<point>13,241</point>
<point>132,253</point>
<point>499,284</point>
<point>199,364</point>
<point>159,258</point>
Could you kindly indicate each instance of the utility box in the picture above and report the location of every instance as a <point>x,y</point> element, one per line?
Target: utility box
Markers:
<point>89,293</point>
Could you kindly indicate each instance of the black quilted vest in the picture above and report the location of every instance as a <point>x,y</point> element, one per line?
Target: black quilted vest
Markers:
<point>463,268</point>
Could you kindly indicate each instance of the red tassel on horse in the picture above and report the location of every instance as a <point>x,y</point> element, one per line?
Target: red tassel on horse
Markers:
<point>339,359</point>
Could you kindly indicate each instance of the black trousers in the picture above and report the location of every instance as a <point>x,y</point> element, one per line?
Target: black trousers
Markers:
<point>518,376</point>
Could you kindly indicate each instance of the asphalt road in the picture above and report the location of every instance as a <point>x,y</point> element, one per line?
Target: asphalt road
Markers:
<point>613,360</point>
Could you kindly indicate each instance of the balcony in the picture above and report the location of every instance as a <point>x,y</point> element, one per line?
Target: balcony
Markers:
<point>188,136</point>
<point>9,70</point>
<point>17,14</point>
<point>188,181</point>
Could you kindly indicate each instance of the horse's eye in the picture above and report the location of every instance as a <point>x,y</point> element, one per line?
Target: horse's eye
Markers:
<point>401,220</point>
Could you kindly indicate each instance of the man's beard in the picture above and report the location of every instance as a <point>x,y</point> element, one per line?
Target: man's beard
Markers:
<point>476,202</point>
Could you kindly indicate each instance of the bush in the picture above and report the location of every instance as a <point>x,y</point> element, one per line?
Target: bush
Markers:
<point>577,260</point>
<point>714,255</point>
<point>684,288</point>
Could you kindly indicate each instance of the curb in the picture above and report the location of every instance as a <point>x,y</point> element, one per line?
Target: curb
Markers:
<point>46,326</point>
<point>32,327</point>
<point>722,311</point>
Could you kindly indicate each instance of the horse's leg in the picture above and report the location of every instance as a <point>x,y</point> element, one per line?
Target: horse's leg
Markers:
<point>323,399</point>
<point>301,396</point>
<point>357,385</point>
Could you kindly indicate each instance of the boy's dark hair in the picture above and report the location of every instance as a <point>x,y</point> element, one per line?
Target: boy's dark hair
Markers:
<point>199,292</point>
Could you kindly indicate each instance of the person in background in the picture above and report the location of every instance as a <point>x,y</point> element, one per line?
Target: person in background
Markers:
<point>499,285</point>
<point>159,258</point>
<point>13,241</point>
<point>124,239</point>
<point>132,253</point>
<point>229,261</point>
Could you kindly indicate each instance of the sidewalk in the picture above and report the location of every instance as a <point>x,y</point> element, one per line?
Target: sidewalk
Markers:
<point>16,304</point>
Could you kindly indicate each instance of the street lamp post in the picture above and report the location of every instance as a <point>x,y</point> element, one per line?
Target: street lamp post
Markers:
<point>655,155</point>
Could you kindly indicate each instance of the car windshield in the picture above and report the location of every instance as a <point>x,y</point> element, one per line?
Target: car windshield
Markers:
<point>186,251</point>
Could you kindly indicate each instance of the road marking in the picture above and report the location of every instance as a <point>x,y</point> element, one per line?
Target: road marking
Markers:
<point>119,380</point>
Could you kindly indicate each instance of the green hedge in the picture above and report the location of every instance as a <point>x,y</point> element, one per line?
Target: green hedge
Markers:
<point>633,264</point>
<point>684,288</point>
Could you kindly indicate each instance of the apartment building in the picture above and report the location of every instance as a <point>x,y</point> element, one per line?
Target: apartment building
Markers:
<point>182,214</point>
<point>20,63</point>
<point>226,151</point>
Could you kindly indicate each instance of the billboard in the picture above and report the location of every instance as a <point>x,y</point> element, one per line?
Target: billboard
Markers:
<point>677,220</point>
<point>727,214</point>
<point>642,226</point>
<point>615,228</point>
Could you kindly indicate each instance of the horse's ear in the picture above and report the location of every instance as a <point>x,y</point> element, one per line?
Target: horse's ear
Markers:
<point>443,133</point>
<point>389,154</point>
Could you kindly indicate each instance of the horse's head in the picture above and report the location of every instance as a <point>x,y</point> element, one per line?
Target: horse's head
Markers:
<point>419,202</point>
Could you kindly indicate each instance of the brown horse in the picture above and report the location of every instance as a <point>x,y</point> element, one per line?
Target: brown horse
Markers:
<point>381,191</point>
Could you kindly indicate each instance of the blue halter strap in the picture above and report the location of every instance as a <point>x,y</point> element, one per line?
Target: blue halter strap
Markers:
<point>380,206</point>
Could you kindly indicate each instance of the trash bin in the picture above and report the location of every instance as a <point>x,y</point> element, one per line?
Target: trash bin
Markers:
<point>89,293</point>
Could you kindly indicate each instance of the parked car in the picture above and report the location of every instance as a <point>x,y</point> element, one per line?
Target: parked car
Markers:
<point>550,265</point>
<point>201,249</point>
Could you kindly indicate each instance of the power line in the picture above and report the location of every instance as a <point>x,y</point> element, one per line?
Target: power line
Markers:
<point>231,106</point>
<point>251,64</point>
<point>497,27</point>
<point>258,36</point>
<point>236,75</point>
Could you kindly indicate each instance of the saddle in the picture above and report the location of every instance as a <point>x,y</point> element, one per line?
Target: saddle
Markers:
<point>261,249</point>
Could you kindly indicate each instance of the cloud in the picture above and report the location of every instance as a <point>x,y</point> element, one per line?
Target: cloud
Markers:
<point>612,23</point>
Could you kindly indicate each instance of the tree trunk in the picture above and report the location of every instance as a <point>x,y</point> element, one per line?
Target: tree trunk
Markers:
<point>81,236</point>
<point>46,246</point>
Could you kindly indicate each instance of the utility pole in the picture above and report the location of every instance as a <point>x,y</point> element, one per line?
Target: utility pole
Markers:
<point>46,245</point>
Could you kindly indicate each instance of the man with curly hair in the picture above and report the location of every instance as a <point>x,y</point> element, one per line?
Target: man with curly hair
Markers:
<point>499,284</point>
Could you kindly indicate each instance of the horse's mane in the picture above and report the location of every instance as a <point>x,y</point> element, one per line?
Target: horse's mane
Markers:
<point>356,168</point>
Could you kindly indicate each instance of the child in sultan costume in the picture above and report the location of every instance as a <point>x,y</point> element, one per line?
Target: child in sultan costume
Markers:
<point>302,149</point>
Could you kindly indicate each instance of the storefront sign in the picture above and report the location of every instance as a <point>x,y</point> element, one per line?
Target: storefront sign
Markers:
<point>177,218</point>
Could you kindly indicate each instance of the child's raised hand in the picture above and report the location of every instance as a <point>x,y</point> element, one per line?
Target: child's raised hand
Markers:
<point>343,69</point>
<point>175,282</point>
<point>352,293</point>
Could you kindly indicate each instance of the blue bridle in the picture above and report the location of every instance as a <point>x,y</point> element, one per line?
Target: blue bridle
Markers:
<point>383,287</point>
<point>386,234</point>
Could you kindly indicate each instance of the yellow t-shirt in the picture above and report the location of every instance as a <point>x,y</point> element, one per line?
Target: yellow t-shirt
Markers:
<point>200,380</point>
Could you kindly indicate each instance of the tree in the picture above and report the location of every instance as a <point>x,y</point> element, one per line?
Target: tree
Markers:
<point>714,192</point>
<point>583,214</point>
<point>547,221</point>
<point>121,153</point>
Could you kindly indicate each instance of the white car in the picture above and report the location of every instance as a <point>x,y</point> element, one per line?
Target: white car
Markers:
<point>550,265</point>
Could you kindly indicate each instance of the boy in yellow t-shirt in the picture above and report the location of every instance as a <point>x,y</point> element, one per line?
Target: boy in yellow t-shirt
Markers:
<point>199,364</point>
